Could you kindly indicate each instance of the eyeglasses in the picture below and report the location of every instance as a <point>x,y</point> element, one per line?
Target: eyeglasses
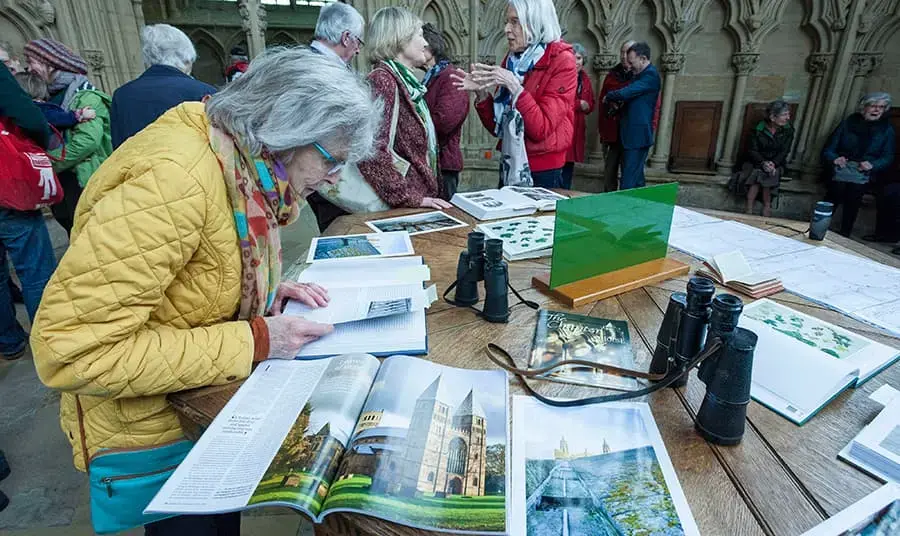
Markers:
<point>337,164</point>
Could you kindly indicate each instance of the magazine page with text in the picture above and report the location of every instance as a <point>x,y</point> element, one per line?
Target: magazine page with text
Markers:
<point>278,441</point>
<point>429,450</point>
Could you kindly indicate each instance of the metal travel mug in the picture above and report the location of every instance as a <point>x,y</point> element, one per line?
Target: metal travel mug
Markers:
<point>821,220</point>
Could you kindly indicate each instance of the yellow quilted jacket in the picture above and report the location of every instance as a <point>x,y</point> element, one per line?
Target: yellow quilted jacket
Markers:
<point>143,300</point>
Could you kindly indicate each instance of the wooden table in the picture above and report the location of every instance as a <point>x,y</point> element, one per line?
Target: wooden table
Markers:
<point>781,480</point>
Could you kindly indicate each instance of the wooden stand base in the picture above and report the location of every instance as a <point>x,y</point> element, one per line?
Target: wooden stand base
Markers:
<point>603,286</point>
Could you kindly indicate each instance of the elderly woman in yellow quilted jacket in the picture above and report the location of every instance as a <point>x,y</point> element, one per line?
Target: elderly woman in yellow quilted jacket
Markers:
<point>172,278</point>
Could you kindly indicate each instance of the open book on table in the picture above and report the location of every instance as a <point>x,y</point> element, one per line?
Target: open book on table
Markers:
<point>876,514</point>
<point>596,469</point>
<point>523,238</point>
<point>377,306</point>
<point>408,441</point>
<point>876,449</point>
<point>506,202</point>
<point>732,270</point>
<point>801,363</point>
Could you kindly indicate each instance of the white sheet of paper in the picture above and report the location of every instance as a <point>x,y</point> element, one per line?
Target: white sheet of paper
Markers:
<point>684,217</point>
<point>387,271</point>
<point>415,224</point>
<point>337,249</point>
<point>386,335</point>
<point>349,304</point>
<point>708,240</point>
<point>884,394</point>
<point>858,514</point>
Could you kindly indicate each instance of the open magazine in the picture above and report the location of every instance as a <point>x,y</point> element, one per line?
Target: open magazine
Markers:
<point>408,441</point>
<point>596,469</point>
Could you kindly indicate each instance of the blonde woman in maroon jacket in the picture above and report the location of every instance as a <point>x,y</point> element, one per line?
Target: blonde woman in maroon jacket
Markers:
<point>407,173</point>
<point>540,70</point>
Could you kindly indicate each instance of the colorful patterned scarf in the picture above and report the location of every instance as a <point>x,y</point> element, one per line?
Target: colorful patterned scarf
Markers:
<point>417,93</point>
<point>520,65</point>
<point>262,200</point>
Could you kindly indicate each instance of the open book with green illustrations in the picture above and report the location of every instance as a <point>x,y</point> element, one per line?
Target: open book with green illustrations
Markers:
<point>406,440</point>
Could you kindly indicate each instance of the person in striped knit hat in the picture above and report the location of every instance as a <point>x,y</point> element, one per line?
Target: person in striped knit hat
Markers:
<point>87,144</point>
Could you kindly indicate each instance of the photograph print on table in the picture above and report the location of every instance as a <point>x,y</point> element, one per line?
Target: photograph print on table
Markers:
<point>360,246</point>
<point>415,224</point>
<point>599,469</point>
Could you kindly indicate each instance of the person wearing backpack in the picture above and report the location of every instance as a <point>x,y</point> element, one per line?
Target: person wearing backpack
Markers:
<point>88,144</point>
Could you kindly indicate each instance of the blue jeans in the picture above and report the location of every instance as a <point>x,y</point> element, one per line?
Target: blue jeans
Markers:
<point>633,162</point>
<point>24,236</point>
<point>551,178</point>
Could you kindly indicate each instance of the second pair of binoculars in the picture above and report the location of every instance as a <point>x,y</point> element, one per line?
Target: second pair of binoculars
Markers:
<point>482,260</point>
<point>693,323</point>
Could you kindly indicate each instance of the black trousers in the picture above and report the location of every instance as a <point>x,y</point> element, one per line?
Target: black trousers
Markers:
<point>887,218</point>
<point>64,211</point>
<point>211,525</point>
<point>325,211</point>
<point>849,195</point>
<point>451,183</point>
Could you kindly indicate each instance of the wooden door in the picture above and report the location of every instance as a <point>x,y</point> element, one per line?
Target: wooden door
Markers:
<point>694,136</point>
<point>753,114</point>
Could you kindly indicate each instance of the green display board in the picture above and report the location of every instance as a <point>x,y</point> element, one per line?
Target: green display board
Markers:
<point>602,233</point>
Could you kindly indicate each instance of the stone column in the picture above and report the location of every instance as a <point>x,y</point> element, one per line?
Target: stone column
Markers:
<point>671,66</point>
<point>253,21</point>
<point>602,64</point>
<point>744,63</point>
<point>861,66</point>
<point>817,64</point>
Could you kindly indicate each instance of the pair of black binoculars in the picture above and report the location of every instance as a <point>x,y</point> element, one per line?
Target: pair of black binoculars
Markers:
<point>693,323</point>
<point>483,261</point>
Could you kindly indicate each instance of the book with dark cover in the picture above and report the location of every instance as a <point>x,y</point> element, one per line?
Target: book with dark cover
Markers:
<point>559,336</point>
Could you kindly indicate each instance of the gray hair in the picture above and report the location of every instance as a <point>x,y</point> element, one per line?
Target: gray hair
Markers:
<point>776,108</point>
<point>337,18</point>
<point>293,97</point>
<point>579,50</point>
<point>167,45</point>
<point>539,20</point>
<point>391,29</point>
<point>878,96</point>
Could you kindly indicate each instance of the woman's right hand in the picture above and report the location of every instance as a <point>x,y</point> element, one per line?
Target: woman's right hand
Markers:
<point>840,161</point>
<point>434,202</point>
<point>287,334</point>
<point>464,81</point>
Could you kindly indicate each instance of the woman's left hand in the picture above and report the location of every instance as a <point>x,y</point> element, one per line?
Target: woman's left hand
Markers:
<point>309,294</point>
<point>865,166</point>
<point>488,75</point>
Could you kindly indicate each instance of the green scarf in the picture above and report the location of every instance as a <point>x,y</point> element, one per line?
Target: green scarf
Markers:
<point>417,93</point>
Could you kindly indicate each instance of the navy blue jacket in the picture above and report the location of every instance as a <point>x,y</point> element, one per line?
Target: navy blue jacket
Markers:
<point>859,140</point>
<point>640,97</point>
<point>141,101</point>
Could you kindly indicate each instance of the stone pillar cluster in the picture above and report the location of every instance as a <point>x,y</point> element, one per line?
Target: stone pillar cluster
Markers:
<point>671,66</point>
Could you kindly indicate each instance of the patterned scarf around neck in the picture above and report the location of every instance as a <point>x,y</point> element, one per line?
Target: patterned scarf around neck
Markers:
<point>435,70</point>
<point>417,93</point>
<point>262,200</point>
<point>519,64</point>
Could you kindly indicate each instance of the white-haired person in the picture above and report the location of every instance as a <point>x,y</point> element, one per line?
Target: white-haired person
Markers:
<point>339,32</point>
<point>169,57</point>
<point>540,76</point>
<point>405,173</point>
<point>860,152</point>
<point>172,280</point>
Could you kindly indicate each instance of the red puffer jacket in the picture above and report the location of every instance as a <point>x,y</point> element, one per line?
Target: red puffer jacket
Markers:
<point>546,107</point>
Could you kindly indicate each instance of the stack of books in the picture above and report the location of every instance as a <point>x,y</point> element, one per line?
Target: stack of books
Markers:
<point>510,201</point>
<point>876,450</point>
<point>732,270</point>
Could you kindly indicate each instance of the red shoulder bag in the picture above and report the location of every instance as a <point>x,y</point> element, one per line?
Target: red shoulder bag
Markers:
<point>27,180</point>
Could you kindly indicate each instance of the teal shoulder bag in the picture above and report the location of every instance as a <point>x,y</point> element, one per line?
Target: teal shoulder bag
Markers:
<point>124,481</point>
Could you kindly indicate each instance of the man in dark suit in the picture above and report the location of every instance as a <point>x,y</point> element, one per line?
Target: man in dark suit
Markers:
<point>636,126</point>
<point>169,56</point>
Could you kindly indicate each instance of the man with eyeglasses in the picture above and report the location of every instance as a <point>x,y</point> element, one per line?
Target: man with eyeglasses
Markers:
<point>338,36</point>
<point>339,32</point>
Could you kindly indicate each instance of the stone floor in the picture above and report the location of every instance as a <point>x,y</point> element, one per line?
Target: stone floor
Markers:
<point>48,496</point>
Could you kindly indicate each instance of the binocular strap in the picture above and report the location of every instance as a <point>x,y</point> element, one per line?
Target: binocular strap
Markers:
<point>506,362</point>
<point>532,304</point>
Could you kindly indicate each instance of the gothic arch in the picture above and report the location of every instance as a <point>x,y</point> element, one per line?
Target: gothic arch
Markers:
<point>237,38</point>
<point>880,22</point>
<point>678,22</point>
<point>451,24</point>
<point>490,32</point>
<point>201,35</point>
<point>280,37</point>
<point>21,21</point>
<point>822,20</point>
<point>750,21</point>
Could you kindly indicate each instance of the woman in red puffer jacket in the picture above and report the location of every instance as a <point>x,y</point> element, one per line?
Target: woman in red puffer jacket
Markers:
<point>540,70</point>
